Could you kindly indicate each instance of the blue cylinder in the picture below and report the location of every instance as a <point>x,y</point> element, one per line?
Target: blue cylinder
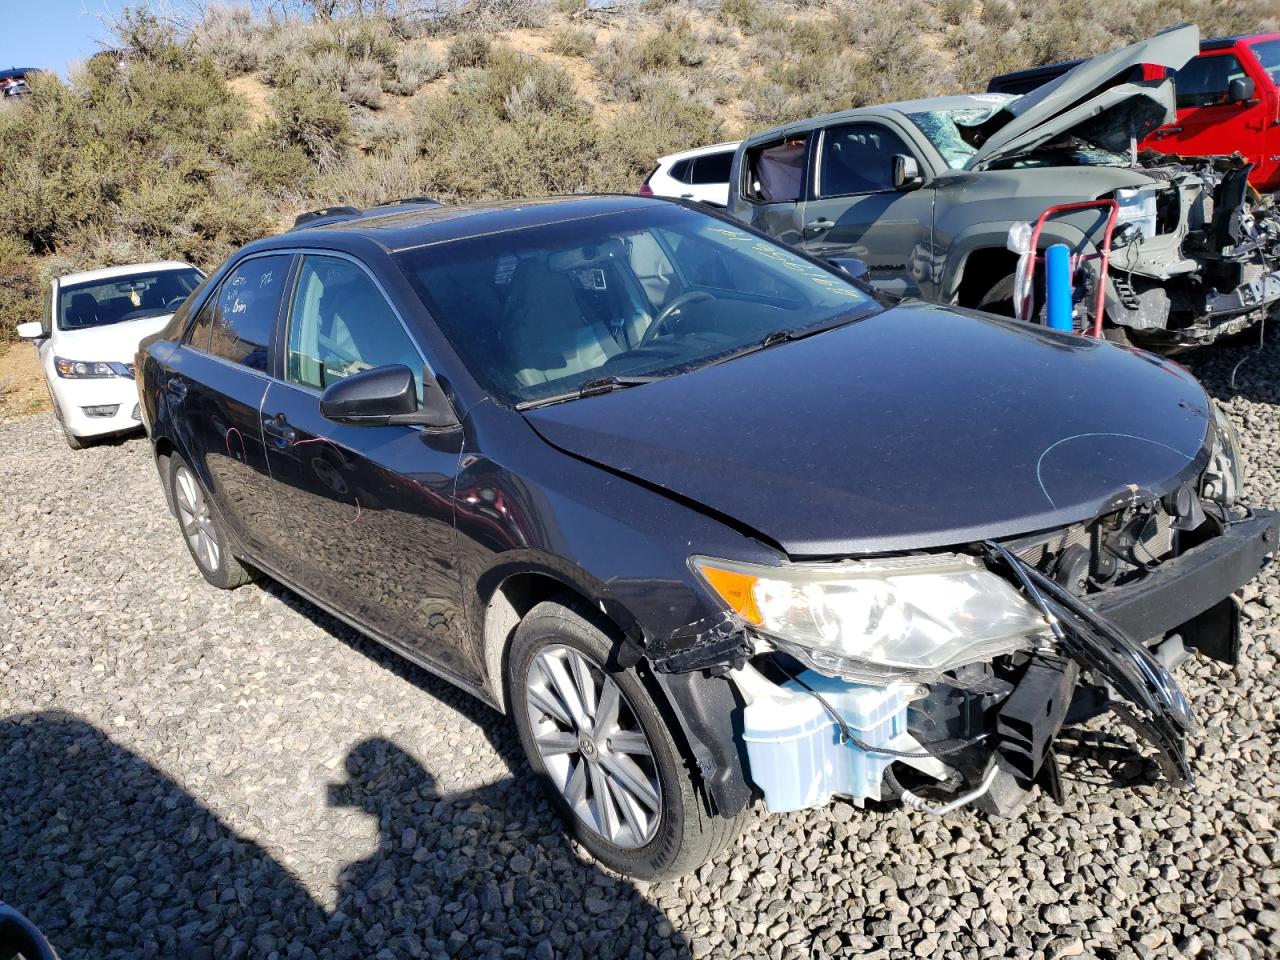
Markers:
<point>1057,272</point>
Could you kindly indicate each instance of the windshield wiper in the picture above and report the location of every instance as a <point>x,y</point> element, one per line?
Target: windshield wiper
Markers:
<point>592,388</point>
<point>787,336</point>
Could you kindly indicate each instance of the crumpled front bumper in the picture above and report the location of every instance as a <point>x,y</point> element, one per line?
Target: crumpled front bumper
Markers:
<point>1105,639</point>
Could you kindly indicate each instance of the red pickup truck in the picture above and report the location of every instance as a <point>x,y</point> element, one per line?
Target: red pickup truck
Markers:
<point>1228,100</point>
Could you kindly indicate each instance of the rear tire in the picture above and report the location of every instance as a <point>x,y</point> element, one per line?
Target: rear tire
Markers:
<point>201,530</point>
<point>652,823</point>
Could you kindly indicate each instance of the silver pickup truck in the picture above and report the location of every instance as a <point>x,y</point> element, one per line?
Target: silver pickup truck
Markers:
<point>926,192</point>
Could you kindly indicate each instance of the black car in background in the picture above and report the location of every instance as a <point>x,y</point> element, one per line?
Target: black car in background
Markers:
<point>702,514</point>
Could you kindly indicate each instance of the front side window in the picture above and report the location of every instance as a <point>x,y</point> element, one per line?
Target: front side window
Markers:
<point>650,292</point>
<point>100,303</point>
<point>1206,81</point>
<point>858,159</point>
<point>242,313</point>
<point>340,324</point>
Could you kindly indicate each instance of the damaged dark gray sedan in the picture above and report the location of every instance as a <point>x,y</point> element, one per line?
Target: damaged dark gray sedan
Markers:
<point>709,520</point>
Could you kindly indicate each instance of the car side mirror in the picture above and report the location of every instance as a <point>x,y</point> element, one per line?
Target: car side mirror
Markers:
<point>855,268</point>
<point>1241,90</point>
<point>386,396</point>
<point>32,331</point>
<point>906,172</point>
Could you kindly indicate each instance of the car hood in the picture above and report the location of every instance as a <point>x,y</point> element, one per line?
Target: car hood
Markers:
<point>115,341</point>
<point>919,427</point>
<point>1090,101</point>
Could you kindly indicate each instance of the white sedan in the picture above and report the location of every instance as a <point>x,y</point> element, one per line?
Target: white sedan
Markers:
<point>93,323</point>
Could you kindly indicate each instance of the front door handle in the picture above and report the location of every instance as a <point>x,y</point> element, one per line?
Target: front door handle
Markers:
<point>822,223</point>
<point>278,427</point>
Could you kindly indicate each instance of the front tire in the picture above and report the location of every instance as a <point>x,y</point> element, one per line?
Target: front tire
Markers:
<point>603,750</point>
<point>74,442</point>
<point>201,530</point>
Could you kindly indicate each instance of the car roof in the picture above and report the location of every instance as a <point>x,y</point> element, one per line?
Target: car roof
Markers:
<point>108,273</point>
<point>700,151</point>
<point>1223,43</point>
<point>970,101</point>
<point>424,226</point>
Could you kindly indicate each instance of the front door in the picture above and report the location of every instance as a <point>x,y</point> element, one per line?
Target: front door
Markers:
<point>858,212</point>
<point>217,379</point>
<point>1209,122</point>
<point>367,510</point>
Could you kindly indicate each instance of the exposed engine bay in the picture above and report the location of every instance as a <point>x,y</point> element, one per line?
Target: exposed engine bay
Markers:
<point>1196,255</point>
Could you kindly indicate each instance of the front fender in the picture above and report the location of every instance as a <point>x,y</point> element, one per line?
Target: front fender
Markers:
<point>994,235</point>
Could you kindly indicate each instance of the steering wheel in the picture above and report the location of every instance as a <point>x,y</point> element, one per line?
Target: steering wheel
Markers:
<point>174,302</point>
<point>670,310</point>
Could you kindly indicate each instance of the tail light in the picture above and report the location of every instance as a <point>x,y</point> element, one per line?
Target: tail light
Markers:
<point>646,190</point>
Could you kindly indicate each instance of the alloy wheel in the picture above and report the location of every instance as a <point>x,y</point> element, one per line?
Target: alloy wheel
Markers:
<point>593,747</point>
<point>195,520</point>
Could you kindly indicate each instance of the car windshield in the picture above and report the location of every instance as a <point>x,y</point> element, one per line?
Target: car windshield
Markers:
<point>99,303</point>
<point>651,292</point>
<point>1268,54</point>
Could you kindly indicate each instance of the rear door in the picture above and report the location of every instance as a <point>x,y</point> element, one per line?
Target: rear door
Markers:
<point>215,385</point>
<point>709,177</point>
<point>856,211</point>
<point>367,511</point>
<point>1209,122</point>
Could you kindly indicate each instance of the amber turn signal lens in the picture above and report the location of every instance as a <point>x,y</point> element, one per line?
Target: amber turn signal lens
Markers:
<point>736,589</point>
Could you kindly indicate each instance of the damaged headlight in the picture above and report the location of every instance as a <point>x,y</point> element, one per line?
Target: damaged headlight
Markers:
<point>1224,476</point>
<point>909,616</point>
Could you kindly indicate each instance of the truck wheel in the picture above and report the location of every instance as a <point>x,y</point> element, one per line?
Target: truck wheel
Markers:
<point>603,750</point>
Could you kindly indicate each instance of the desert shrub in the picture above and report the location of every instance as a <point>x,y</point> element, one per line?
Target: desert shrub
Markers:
<point>468,50</point>
<point>415,65</point>
<point>362,83</point>
<point>355,38</point>
<point>572,42</point>
<point>233,38</point>
<point>311,119</point>
<point>750,16</point>
<point>667,118</point>
<point>19,287</point>
<point>366,180</point>
<point>495,15</point>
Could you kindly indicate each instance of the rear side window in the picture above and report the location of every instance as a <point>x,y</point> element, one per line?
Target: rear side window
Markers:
<point>235,324</point>
<point>682,171</point>
<point>775,171</point>
<point>713,168</point>
<point>858,159</point>
<point>341,324</point>
<point>1205,81</point>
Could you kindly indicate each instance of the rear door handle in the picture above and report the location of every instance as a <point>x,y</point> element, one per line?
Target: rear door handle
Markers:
<point>822,223</point>
<point>1167,132</point>
<point>278,427</point>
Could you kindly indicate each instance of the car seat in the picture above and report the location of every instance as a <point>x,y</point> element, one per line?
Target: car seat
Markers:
<point>82,311</point>
<point>543,328</point>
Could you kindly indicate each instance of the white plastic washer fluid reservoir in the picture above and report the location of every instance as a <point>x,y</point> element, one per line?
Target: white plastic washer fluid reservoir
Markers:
<point>793,742</point>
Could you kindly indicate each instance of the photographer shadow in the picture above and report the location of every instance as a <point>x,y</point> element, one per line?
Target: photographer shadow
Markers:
<point>112,858</point>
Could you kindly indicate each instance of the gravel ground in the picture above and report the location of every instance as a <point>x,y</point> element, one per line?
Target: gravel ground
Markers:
<point>191,773</point>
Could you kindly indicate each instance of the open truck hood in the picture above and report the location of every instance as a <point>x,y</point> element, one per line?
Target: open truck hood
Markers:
<point>919,427</point>
<point>1092,102</point>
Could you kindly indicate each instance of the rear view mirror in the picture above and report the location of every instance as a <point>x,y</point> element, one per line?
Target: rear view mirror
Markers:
<point>31,331</point>
<point>386,396</point>
<point>855,268</point>
<point>906,172</point>
<point>1240,90</point>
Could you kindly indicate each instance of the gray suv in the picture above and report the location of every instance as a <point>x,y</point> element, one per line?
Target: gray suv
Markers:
<point>926,191</point>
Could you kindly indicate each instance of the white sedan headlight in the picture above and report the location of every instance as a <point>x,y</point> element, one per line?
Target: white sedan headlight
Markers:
<point>909,616</point>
